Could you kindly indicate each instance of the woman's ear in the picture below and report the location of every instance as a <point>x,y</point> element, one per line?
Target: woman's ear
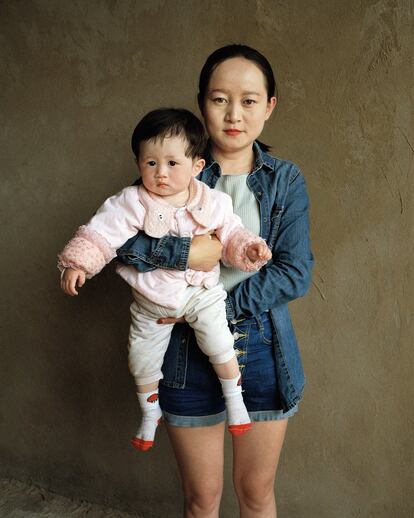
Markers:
<point>198,166</point>
<point>271,104</point>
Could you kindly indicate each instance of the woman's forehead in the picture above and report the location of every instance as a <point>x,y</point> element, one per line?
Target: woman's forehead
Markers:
<point>238,74</point>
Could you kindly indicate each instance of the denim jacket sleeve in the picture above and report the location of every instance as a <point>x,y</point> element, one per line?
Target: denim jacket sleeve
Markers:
<point>287,275</point>
<point>148,253</point>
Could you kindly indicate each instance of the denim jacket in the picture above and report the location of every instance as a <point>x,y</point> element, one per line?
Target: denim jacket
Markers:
<point>280,190</point>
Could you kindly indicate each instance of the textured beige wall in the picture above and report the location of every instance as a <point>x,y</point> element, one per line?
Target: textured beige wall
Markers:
<point>75,77</point>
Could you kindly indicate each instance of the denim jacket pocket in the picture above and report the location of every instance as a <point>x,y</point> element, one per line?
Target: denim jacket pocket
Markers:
<point>265,328</point>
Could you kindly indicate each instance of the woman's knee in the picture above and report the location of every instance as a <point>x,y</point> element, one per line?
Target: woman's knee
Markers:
<point>254,491</point>
<point>203,499</point>
<point>199,453</point>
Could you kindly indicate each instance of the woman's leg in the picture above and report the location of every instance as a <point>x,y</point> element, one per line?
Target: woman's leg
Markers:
<point>199,453</point>
<point>255,459</point>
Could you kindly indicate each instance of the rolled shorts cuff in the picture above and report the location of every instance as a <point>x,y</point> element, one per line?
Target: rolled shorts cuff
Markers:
<point>273,415</point>
<point>186,421</point>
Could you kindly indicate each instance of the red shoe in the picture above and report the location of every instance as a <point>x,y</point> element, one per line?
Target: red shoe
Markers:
<point>239,429</point>
<point>141,445</point>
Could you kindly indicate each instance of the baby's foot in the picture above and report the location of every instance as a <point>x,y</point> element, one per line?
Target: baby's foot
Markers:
<point>151,416</point>
<point>237,415</point>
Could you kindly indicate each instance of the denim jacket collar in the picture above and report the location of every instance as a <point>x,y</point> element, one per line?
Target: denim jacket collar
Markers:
<point>261,159</point>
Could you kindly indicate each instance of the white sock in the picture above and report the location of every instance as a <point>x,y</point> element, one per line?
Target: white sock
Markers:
<point>236,410</point>
<point>151,414</point>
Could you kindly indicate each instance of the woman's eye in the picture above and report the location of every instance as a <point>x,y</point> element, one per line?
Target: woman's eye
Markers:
<point>249,102</point>
<point>219,100</point>
<point>172,162</point>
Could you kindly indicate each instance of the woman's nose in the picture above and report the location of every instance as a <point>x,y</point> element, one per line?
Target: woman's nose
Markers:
<point>233,113</point>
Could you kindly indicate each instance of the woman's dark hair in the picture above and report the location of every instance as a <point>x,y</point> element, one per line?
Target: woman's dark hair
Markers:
<point>171,122</point>
<point>236,51</point>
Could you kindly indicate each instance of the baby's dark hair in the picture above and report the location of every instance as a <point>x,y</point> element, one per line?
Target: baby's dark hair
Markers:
<point>171,122</point>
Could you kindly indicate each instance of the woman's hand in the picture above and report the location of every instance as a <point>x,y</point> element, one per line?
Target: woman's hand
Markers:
<point>205,252</point>
<point>71,279</point>
<point>171,320</point>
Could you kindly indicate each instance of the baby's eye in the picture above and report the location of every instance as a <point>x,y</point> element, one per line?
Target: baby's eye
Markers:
<point>151,163</point>
<point>172,162</point>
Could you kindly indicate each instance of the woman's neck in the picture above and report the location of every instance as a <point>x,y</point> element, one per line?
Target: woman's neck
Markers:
<point>235,162</point>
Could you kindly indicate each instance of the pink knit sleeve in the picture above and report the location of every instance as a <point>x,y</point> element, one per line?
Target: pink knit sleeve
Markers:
<point>95,244</point>
<point>236,239</point>
<point>87,251</point>
<point>235,247</point>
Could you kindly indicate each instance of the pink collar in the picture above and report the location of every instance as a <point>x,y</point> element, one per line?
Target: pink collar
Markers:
<point>160,214</point>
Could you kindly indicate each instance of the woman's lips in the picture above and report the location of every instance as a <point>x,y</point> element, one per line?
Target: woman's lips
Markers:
<point>232,132</point>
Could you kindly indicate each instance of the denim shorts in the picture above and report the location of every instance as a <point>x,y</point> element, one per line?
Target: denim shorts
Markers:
<point>201,403</point>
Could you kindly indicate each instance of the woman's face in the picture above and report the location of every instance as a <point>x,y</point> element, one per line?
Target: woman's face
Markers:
<point>236,105</point>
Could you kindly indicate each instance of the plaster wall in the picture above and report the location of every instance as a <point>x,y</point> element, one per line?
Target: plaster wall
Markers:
<point>75,78</point>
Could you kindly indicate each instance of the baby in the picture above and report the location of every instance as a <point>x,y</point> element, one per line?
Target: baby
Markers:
<point>168,145</point>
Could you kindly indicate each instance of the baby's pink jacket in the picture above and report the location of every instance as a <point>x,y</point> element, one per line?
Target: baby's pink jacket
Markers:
<point>133,209</point>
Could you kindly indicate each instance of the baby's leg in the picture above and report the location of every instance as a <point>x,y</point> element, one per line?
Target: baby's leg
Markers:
<point>148,342</point>
<point>230,379</point>
<point>151,416</point>
<point>206,314</point>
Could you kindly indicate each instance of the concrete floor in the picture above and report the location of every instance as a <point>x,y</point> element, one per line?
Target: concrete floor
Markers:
<point>19,500</point>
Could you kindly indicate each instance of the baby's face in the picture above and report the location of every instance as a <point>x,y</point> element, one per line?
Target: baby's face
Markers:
<point>165,170</point>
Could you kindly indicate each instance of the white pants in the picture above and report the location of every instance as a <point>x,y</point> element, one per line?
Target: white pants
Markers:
<point>205,312</point>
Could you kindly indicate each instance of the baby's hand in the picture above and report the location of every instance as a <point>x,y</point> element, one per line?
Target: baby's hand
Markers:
<point>258,251</point>
<point>70,279</point>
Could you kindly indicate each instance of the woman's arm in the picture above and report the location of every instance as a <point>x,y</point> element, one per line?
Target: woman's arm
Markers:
<point>287,276</point>
<point>175,253</point>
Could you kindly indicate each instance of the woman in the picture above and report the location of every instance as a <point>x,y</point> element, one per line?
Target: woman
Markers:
<point>236,97</point>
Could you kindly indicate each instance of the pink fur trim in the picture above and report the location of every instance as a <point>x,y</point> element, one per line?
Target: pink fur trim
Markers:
<point>98,240</point>
<point>234,252</point>
<point>81,254</point>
